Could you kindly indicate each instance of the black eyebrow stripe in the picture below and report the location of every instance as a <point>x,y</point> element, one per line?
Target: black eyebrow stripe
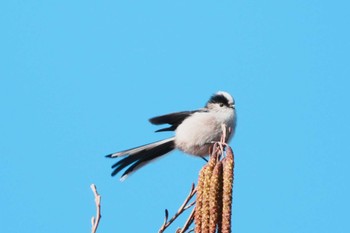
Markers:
<point>219,99</point>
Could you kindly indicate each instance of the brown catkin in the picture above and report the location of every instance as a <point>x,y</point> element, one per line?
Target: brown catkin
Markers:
<point>199,201</point>
<point>228,176</point>
<point>206,193</point>
<point>215,197</point>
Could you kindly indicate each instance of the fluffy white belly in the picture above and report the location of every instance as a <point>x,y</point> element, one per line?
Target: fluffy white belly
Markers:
<point>196,134</point>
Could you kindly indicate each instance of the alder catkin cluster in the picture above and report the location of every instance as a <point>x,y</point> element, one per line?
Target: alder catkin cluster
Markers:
<point>214,194</point>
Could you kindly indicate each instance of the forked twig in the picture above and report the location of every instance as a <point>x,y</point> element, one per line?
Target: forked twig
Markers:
<point>188,222</point>
<point>96,220</point>
<point>182,208</point>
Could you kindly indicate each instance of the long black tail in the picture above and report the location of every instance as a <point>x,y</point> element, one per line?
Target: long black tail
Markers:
<point>137,158</point>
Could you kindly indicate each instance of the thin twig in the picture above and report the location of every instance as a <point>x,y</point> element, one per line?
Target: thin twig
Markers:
<point>96,220</point>
<point>188,222</point>
<point>182,208</point>
<point>166,217</point>
<point>190,205</point>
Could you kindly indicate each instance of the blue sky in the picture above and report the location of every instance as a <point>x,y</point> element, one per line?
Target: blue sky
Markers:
<point>79,79</point>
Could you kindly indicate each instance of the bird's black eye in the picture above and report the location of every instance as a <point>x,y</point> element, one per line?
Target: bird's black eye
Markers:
<point>221,105</point>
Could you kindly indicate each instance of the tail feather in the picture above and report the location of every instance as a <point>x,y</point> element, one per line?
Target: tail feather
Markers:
<point>162,150</point>
<point>138,149</point>
<point>140,156</point>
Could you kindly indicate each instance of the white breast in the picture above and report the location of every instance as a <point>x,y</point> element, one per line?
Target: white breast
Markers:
<point>196,133</point>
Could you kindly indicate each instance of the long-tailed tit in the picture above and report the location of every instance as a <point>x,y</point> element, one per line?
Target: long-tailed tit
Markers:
<point>195,131</point>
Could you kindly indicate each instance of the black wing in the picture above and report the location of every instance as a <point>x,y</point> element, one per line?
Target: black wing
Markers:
<point>173,119</point>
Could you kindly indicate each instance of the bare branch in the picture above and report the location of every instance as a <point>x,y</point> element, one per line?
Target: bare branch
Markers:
<point>182,208</point>
<point>190,205</point>
<point>96,220</point>
<point>188,222</point>
<point>166,216</point>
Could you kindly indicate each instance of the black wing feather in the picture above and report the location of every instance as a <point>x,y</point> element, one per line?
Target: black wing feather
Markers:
<point>173,119</point>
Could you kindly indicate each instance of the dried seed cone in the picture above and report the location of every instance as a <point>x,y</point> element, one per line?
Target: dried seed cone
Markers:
<point>206,194</point>
<point>215,203</point>
<point>199,201</point>
<point>228,176</point>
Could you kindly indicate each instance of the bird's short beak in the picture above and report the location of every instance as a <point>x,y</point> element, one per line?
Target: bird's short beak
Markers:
<point>233,106</point>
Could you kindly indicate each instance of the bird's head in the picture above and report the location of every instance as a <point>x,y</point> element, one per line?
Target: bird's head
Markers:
<point>221,100</point>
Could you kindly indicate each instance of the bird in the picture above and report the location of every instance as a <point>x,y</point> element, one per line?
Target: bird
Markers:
<point>195,132</point>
